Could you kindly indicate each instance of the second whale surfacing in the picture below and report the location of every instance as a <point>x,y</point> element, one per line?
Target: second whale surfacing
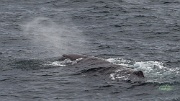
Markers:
<point>90,65</point>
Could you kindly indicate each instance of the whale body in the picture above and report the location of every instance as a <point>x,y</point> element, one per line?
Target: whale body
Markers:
<point>97,66</point>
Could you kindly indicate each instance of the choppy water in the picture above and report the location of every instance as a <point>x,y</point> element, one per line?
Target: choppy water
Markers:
<point>141,34</point>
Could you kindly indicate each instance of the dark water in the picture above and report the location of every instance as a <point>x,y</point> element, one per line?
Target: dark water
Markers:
<point>141,34</point>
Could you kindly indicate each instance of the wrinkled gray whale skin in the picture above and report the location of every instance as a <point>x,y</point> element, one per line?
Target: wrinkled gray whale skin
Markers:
<point>91,65</point>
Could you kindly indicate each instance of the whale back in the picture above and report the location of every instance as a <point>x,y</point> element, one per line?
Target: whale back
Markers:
<point>98,66</point>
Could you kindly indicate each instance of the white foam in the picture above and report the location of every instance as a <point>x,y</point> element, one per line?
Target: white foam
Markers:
<point>57,63</point>
<point>154,71</point>
<point>120,61</point>
<point>155,67</point>
<point>63,63</point>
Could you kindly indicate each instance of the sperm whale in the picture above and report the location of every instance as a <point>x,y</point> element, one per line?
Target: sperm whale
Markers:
<point>95,65</point>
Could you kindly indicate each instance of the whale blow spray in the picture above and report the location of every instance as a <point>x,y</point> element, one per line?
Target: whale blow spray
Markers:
<point>50,39</point>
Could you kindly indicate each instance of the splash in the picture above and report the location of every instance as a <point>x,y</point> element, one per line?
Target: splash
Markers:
<point>51,38</point>
<point>154,71</point>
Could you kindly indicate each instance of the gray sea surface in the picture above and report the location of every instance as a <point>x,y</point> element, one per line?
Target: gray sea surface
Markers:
<point>140,34</point>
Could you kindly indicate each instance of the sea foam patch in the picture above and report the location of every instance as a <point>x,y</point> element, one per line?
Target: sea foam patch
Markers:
<point>154,71</point>
<point>63,63</point>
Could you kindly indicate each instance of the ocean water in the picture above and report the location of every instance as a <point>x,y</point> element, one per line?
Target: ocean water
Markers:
<point>139,34</point>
